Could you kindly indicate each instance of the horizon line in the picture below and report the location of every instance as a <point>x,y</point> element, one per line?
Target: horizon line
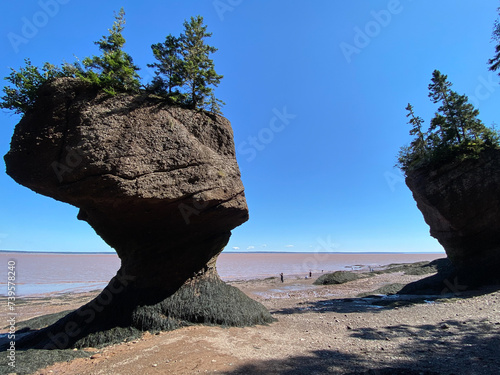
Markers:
<point>228,252</point>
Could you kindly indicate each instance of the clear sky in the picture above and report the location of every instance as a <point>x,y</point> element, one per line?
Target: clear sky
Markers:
<point>316,93</point>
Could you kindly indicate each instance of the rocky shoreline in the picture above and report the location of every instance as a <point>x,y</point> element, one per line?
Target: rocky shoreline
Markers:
<point>350,328</point>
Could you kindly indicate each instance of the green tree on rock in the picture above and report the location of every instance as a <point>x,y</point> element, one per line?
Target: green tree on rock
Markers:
<point>114,70</point>
<point>185,73</point>
<point>495,61</point>
<point>198,68</point>
<point>457,120</point>
<point>455,130</point>
<point>214,105</point>
<point>416,152</point>
<point>419,144</point>
<point>445,121</point>
<point>168,74</point>
<point>22,92</point>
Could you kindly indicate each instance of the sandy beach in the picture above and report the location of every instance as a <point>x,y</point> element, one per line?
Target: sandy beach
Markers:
<point>319,329</point>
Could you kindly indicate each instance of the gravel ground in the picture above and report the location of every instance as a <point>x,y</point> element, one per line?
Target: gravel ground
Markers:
<point>320,330</point>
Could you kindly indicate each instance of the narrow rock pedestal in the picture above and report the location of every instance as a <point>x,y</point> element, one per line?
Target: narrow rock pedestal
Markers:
<point>159,184</point>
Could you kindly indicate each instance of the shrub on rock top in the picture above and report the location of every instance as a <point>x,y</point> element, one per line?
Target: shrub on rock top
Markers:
<point>185,73</point>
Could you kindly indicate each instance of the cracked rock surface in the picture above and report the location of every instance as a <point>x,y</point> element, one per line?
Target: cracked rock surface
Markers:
<point>460,201</point>
<point>159,184</point>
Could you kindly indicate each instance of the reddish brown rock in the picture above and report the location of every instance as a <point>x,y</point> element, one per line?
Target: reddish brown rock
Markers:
<point>159,184</point>
<point>460,201</point>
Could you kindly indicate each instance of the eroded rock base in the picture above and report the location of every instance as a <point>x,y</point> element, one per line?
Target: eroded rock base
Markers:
<point>113,318</point>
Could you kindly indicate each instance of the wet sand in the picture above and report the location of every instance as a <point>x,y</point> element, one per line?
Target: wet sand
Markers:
<point>319,330</point>
<point>44,273</point>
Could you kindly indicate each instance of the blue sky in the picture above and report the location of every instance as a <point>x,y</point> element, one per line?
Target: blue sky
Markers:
<point>315,90</point>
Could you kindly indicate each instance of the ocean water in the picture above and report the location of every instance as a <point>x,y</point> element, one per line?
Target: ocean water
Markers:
<point>47,273</point>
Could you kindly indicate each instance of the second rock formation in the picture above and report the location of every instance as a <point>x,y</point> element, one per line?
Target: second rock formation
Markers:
<point>460,201</point>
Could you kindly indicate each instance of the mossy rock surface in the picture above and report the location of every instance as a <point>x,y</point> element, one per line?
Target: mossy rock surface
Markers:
<point>337,277</point>
<point>29,361</point>
<point>207,301</point>
<point>41,321</point>
<point>202,300</point>
<point>417,268</point>
<point>386,289</point>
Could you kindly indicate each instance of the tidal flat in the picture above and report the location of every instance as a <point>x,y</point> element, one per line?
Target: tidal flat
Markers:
<point>349,328</point>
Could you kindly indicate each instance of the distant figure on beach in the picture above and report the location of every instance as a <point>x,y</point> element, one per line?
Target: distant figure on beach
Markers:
<point>310,274</point>
<point>281,276</point>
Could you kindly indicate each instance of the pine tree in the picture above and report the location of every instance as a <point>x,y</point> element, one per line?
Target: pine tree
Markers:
<point>169,66</point>
<point>197,67</point>
<point>419,144</point>
<point>473,129</point>
<point>457,120</point>
<point>495,61</point>
<point>185,73</point>
<point>215,105</point>
<point>445,120</point>
<point>115,69</point>
<point>22,93</point>
<point>415,153</point>
<point>455,130</point>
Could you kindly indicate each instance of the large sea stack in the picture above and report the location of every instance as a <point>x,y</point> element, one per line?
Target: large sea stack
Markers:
<point>460,201</point>
<point>160,184</point>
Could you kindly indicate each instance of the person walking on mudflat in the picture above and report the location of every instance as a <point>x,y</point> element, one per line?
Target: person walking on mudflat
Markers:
<point>281,276</point>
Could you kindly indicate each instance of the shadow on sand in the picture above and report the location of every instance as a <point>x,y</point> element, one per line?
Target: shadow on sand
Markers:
<point>423,350</point>
<point>376,303</point>
<point>442,286</point>
<point>451,347</point>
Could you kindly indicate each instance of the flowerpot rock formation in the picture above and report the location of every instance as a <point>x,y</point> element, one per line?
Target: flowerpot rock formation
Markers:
<point>160,184</point>
<point>460,201</point>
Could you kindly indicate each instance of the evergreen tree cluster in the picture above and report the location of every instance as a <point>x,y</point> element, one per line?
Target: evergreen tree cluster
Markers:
<point>454,131</point>
<point>22,93</point>
<point>114,70</point>
<point>185,73</point>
